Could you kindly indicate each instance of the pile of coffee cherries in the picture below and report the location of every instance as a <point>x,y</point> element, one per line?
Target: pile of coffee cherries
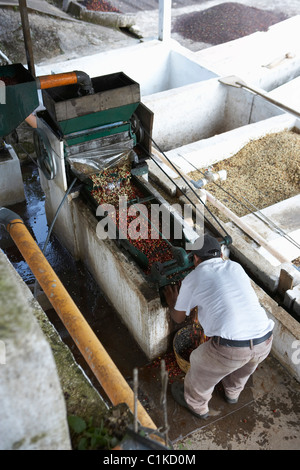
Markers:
<point>107,187</point>
<point>100,5</point>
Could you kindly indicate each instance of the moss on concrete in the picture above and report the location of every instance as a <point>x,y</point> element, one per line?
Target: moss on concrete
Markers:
<point>13,310</point>
<point>81,397</point>
<point>16,303</point>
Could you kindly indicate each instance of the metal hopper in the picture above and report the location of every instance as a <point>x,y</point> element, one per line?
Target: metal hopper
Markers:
<point>114,100</point>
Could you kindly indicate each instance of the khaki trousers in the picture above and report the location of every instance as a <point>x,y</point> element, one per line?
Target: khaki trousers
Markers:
<point>211,363</point>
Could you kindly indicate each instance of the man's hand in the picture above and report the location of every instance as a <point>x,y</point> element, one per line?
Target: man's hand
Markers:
<point>171,293</point>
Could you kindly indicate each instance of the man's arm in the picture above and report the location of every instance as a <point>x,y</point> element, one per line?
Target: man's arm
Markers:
<point>171,294</point>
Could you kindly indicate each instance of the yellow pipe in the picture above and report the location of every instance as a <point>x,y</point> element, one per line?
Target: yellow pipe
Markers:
<point>87,342</point>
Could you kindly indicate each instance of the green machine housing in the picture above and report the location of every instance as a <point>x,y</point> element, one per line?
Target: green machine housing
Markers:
<point>114,109</point>
<point>20,97</point>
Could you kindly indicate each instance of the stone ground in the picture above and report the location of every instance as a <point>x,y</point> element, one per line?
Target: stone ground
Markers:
<point>58,36</point>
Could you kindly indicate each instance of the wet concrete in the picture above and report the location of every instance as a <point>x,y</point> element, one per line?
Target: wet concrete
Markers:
<point>267,415</point>
<point>268,421</point>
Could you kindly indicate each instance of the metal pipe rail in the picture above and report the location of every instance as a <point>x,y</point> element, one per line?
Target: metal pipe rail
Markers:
<point>108,375</point>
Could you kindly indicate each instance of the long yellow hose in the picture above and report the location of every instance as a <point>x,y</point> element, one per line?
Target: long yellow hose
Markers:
<point>108,375</point>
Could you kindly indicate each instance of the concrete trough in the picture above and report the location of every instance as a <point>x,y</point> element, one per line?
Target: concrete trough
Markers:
<point>118,276</point>
<point>157,66</point>
<point>10,171</point>
<point>207,152</point>
<point>276,277</point>
<point>203,110</point>
<point>267,59</point>
<point>33,409</point>
<point>212,149</point>
<point>201,106</point>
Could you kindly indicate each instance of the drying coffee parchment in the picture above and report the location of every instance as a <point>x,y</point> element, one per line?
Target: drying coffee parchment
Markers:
<point>263,172</point>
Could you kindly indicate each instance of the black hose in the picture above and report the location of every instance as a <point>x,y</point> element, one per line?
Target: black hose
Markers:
<point>227,239</point>
<point>6,216</point>
<point>52,225</point>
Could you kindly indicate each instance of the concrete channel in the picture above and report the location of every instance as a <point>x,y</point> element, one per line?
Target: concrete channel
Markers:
<point>218,122</point>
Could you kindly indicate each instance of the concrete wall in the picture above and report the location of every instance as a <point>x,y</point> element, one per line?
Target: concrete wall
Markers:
<point>250,256</point>
<point>199,111</point>
<point>33,411</point>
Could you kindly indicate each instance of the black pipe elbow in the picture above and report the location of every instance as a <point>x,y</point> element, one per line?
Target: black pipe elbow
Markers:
<point>85,82</point>
<point>6,216</point>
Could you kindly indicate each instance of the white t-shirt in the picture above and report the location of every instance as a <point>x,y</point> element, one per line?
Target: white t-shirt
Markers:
<point>227,303</point>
